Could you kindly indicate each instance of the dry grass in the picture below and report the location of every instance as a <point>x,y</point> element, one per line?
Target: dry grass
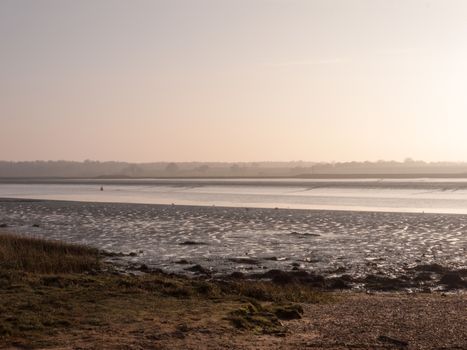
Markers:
<point>41,256</point>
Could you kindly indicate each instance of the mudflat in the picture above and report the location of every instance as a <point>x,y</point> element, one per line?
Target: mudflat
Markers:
<point>362,249</point>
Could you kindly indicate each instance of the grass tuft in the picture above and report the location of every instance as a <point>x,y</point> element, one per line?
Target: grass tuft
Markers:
<point>260,321</point>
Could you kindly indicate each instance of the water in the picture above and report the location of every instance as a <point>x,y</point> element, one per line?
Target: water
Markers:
<point>391,195</point>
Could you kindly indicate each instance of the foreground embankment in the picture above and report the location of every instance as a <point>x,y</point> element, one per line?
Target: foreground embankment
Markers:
<point>60,296</point>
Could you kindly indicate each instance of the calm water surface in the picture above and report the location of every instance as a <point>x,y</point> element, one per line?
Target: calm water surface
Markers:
<point>393,195</point>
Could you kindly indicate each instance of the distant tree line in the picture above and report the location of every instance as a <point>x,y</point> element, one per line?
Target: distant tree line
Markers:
<point>91,168</point>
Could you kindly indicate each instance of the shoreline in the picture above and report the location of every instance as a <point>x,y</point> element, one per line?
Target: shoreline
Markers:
<point>53,306</point>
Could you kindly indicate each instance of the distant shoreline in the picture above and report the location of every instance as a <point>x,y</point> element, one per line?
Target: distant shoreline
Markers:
<point>420,182</point>
<point>21,179</point>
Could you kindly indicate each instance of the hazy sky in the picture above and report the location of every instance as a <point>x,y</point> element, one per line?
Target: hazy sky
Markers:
<point>233,80</point>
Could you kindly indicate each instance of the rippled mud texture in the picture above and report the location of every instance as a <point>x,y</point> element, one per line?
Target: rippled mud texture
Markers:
<point>225,240</point>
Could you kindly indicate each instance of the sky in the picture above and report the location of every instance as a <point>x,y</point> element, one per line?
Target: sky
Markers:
<point>237,80</point>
